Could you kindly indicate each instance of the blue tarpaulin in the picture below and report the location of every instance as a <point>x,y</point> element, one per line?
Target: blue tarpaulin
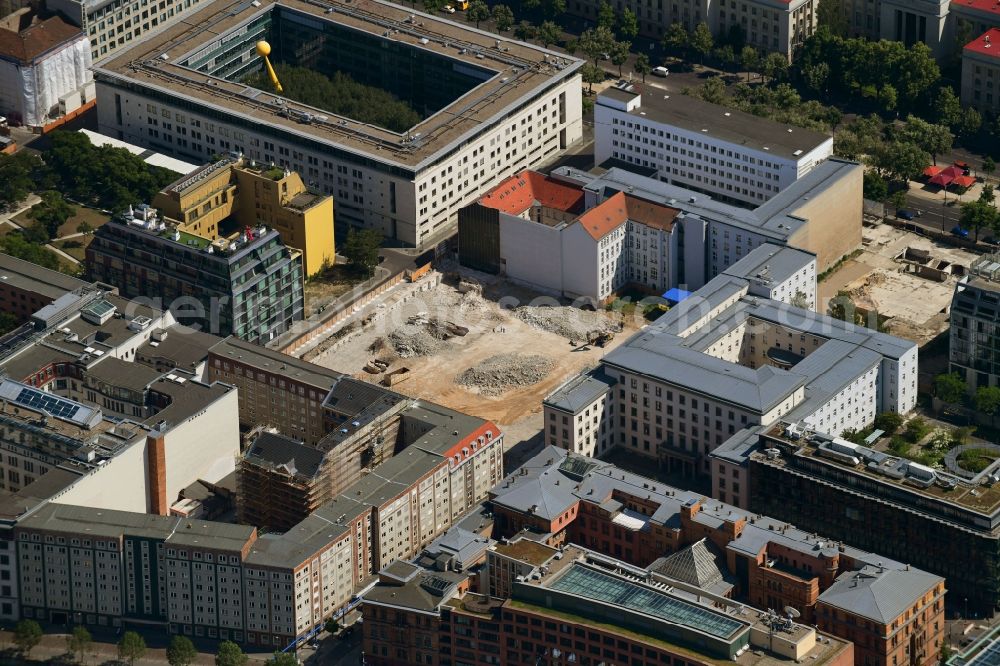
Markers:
<point>675,296</point>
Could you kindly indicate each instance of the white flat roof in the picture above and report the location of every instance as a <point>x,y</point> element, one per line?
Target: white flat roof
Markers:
<point>149,157</point>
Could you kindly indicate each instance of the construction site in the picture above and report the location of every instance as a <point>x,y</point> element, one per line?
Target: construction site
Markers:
<point>905,278</point>
<point>446,344</point>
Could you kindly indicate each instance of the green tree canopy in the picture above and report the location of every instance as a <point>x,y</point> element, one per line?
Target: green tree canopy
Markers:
<point>51,212</point>
<point>947,108</point>
<point>181,651</point>
<point>978,215</point>
<point>702,40</point>
<point>934,139</point>
<point>361,249</point>
<point>342,95</point>
<point>989,166</point>
<point>105,176</point>
<point>875,187</point>
<point>230,654</point>
<point>628,25</point>
<point>283,659</point>
<point>17,178</point>
<point>553,8</point>
<point>595,42</point>
<point>830,14</point>
<point>27,634</point>
<point>749,59</point>
<point>675,38</point>
<point>620,51</point>
<point>591,74</point>
<point>949,387</point>
<point>642,67</point>
<point>131,647</point>
<point>79,641</point>
<point>775,66</point>
<point>477,12</point>
<point>503,16</point>
<point>988,399</point>
<point>864,68</point>
<point>605,16</point>
<point>525,31</point>
<point>548,33</point>
<point>16,245</point>
<point>901,160</point>
<point>889,422</point>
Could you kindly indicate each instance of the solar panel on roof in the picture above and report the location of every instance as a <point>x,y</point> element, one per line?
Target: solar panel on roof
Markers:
<point>47,403</point>
<point>593,584</point>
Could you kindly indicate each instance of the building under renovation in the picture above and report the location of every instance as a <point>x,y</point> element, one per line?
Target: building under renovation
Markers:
<point>44,68</point>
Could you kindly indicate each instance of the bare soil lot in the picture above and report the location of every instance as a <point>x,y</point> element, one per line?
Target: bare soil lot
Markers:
<point>903,276</point>
<point>477,352</point>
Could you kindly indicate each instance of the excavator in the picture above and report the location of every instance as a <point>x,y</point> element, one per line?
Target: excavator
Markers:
<point>264,50</point>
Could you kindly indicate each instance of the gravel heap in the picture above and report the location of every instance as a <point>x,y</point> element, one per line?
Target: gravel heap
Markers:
<point>499,373</point>
<point>571,323</point>
<point>414,340</point>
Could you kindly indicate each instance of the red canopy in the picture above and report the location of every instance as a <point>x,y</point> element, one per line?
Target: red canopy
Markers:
<point>932,171</point>
<point>964,181</point>
<point>946,177</point>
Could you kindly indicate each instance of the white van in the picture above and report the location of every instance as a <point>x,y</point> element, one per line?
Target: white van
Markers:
<point>660,71</point>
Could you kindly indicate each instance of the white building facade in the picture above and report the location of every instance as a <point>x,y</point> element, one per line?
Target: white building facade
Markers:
<point>704,147</point>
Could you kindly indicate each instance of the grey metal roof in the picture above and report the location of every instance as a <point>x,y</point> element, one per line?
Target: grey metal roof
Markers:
<point>713,120</point>
<point>663,357</point>
<point>770,263</point>
<point>275,449</point>
<point>426,592</point>
<point>580,391</point>
<point>32,277</point>
<point>275,362</point>
<point>878,593</point>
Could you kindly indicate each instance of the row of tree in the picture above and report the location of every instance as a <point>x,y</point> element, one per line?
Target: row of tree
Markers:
<point>132,647</point>
<point>342,95</point>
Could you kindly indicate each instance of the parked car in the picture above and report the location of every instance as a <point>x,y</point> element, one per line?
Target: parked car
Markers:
<point>661,71</point>
<point>990,240</point>
<point>905,214</point>
<point>448,9</point>
<point>958,231</point>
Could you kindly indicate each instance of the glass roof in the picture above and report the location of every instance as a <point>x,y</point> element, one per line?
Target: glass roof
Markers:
<point>587,582</point>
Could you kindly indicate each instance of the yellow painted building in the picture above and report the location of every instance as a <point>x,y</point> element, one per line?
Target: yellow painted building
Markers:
<point>248,196</point>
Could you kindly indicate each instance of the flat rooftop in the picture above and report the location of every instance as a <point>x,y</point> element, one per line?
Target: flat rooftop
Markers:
<point>719,122</point>
<point>983,502</point>
<point>31,277</point>
<point>521,70</point>
<point>262,358</point>
<point>526,550</point>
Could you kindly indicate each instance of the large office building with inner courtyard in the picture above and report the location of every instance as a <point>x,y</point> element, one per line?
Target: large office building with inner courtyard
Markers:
<point>478,108</point>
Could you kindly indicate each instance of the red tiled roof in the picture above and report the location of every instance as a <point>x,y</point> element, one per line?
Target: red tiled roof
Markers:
<point>520,192</point>
<point>987,44</point>
<point>651,214</point>
<point>613,212</point>
<point>35,40</point>
<point>605,217</point>
<point>989,6</point>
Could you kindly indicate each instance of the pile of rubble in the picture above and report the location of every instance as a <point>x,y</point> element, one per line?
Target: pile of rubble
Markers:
<point>497,374</point>
<point>422,335</point>
<point>571,323</point>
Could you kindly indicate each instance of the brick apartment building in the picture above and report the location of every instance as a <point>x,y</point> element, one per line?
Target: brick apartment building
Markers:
<point>580,608</point>
<point>774,565</point>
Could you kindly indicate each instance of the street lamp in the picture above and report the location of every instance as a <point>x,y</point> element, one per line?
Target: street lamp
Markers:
<point>966,608</point>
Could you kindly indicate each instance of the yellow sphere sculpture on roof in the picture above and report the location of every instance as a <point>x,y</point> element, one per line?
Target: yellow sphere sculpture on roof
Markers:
<point>264,50</point>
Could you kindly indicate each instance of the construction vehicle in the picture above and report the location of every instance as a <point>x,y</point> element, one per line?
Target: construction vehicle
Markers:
<point>461,5</point>
<point>600,339</point>
<point>264,50</point>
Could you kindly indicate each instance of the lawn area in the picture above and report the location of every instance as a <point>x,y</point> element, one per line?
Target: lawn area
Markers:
<point>74,247</point>
<point>332,284</point>
<point>94,218</point>
<point>976,460</point>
